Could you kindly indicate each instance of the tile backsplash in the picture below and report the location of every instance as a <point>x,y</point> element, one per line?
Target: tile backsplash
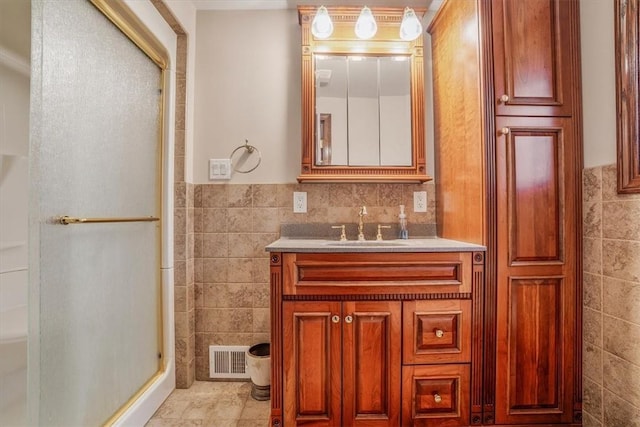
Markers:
<point>611,304</point>
<point>232,224</point>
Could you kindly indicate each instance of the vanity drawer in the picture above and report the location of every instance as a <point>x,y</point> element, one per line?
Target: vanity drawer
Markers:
<point>376,273</point>
<point>435,395</point>
<point>436,331</point>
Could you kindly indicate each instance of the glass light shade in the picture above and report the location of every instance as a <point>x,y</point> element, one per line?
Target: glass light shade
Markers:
<point>366,26</point>
<point>322,26</point>
<point>411,28</point>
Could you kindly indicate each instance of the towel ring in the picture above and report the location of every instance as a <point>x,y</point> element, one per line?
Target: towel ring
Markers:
<point>250,149</point>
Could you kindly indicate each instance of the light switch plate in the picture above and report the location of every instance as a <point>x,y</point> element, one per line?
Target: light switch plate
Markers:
<point>219,169</point>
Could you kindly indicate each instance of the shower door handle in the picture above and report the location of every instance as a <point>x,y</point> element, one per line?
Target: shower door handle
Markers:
<point>66,220</point>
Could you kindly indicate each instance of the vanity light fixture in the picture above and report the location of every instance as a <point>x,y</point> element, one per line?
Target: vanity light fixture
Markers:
<point>411,28</point>
<point>322,26</point>
<point>366,26</point>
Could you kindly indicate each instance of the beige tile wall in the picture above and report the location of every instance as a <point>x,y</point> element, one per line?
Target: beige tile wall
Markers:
<point>183,255</point>
<point>611,356</point>
<point>233,223</point>
<point>184,284</point>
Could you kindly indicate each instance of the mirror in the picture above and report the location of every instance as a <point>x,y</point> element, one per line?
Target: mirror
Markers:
<point>362,101</point>
<point>627,38</point>
<point>368,100</point>
<point>363,110</point>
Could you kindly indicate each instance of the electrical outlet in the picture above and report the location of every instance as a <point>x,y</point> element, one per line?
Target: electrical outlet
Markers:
<point>299,202</point>
<point>419,201</point>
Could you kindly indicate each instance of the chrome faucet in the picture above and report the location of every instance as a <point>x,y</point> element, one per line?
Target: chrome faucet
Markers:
<point>361,214</point>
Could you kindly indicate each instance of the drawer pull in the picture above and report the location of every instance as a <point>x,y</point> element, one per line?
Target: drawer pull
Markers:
<point>348,319</point>
<point>439,333</point>
<point>437,398</point>
<point>335,318</point>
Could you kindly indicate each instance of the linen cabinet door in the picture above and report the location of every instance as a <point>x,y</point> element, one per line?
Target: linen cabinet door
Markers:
<point>311,359</point>
<point>536,277</point>
<point>534,66</point>
<point>371,364</point>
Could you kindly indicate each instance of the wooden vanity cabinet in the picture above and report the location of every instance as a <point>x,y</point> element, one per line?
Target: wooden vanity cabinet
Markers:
<point>374,339</point>
<point>509,117</point>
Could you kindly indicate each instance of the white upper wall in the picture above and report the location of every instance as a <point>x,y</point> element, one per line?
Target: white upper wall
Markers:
<point>598,82</point>
<point>248,87</point>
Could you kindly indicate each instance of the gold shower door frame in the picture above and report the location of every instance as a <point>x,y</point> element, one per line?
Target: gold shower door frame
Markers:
<point>132,27</point>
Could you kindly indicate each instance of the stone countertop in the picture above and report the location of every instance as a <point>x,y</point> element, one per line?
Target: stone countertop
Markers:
<point>432,244</point>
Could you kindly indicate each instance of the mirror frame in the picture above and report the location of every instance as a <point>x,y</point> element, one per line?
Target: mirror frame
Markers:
<point>343,41</point>
<point>627,18</point>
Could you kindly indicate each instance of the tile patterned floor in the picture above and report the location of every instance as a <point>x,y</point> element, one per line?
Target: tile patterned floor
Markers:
<point>212,404</point>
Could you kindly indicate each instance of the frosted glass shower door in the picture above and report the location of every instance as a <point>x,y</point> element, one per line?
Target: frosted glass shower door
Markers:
<point>96,150</point>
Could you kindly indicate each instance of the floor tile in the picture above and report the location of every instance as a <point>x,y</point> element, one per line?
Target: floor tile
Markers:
<point>212,404</point>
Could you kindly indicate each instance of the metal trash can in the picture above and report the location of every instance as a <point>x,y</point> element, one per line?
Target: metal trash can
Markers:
<point>259,368</point>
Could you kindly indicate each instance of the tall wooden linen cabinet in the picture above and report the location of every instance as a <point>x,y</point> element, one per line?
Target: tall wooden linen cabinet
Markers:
<point>506,81</point>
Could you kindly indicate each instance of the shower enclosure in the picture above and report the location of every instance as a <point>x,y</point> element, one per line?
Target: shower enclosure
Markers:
<point>99,126</point>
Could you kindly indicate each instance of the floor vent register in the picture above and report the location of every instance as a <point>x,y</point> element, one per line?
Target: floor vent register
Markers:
<point>228,361</point>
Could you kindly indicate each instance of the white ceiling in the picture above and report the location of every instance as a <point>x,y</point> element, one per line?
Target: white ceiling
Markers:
<point>292,4</point>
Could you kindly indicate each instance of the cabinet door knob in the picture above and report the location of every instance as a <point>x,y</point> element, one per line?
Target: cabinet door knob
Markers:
<point>437,398</point>
<point>504,98</point>
<point>504,131</point>
<point>439,333</point>
<point>348,319</point>
<point>335,318</point>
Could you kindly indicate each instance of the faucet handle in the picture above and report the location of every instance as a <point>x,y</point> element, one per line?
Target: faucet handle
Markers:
<point>343,234</point>
<point>379,235</point>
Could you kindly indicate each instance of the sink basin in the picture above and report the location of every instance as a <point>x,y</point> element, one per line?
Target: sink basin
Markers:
<point>368,243</point>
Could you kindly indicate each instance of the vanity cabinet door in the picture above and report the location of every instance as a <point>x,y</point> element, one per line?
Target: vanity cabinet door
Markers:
<point>371,363</point>
<point>533,67</point>
<point>342,363</point>
<point>312,363</point>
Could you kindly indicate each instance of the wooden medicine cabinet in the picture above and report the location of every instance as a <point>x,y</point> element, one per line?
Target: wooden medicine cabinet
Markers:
<point>362,101</point>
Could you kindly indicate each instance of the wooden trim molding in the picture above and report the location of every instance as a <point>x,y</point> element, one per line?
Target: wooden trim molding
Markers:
<point>627,21</point>
<point>277,409</point>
